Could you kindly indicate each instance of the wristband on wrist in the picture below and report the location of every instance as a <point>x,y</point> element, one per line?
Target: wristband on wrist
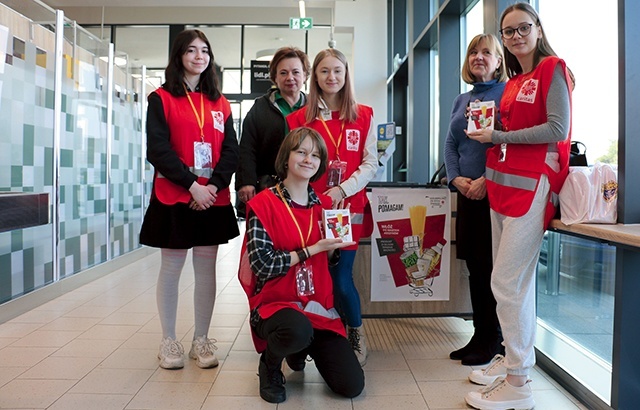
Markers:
<point>302,255</point>
<point>344,194</point>
<point>306,250</point>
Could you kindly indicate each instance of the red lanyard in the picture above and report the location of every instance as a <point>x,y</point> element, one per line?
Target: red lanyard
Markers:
<point>199,118</point>
<point>295,221</point>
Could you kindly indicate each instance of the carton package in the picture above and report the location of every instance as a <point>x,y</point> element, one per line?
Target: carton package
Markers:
<point>337,224</point>
<point>481,115</point>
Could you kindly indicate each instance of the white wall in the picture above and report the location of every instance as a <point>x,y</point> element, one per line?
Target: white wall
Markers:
<point>368,20</point>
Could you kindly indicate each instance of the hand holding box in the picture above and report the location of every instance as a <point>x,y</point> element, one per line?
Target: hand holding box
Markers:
<point>337,224</point>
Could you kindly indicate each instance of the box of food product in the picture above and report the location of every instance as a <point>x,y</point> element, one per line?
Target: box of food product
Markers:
<point>337,224</point>
<point>481,115</point>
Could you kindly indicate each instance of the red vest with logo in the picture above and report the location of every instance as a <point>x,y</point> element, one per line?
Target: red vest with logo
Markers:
<point>351,150</point>
<point>281,292</point>
<point>512,177</point>
<point>184,132</point>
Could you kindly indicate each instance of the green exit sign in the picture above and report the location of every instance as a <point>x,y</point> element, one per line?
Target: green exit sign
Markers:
<point>296,23</point>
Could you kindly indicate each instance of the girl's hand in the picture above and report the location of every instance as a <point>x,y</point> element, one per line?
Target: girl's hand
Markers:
<point>202,196</point>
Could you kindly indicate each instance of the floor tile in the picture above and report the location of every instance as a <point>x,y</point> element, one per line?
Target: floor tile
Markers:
<point>35,394</point>
<point>91,401</point>
<point>112,381</point>
<point>170,395</point>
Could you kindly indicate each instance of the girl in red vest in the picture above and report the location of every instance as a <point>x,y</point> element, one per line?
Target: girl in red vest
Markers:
<point>348,130</point>
<point>193,148</point>
<point>284,270</point>
<point>526,168</point>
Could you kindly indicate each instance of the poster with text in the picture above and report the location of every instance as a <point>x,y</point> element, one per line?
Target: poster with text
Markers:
<point>410,249</point>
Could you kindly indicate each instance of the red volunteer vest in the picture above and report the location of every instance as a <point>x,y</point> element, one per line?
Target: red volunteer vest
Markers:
<point>512,183</point>
<point>281,292</point>
<point>184,131</point>
<point>351,150</point>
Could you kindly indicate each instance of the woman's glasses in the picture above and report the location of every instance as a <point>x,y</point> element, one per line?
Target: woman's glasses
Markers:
<point>523,30</point>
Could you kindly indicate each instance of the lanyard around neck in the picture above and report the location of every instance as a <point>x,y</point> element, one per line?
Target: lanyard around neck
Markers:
<point>335,144</point>
<point>199,118</point>
<point>295,221</point>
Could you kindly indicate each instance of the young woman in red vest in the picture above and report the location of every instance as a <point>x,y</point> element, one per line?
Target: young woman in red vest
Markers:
<point>284,270</point>
<point>193,148</point>
<point>348,130</point>
<point>526,168</point>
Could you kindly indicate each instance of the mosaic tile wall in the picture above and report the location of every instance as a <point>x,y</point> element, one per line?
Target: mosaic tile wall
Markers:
<point>26,164</point>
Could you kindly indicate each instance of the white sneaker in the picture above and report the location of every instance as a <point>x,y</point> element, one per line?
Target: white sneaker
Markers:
<point>202,349</point>
<point>502,396</point>
<point>491,373</point>
<point>171,354</point>
<point>358,342</point>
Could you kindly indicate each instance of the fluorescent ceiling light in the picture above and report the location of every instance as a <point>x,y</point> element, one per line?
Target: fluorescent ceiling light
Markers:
<point>303,14</point>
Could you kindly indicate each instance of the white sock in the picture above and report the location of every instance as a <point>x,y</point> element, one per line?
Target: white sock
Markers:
<point>167,289</point>
<point>204,295</point>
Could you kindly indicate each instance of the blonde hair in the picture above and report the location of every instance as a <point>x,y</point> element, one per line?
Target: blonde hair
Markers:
<point>348,110</point>
<point>494,45</point>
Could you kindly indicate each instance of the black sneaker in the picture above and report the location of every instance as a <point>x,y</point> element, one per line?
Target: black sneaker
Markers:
<point>271,383</point>
<point>297,361</point>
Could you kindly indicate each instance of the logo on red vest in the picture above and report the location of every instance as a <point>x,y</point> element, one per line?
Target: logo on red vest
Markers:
<point>353,140</point>
<point>528,91</point>
<point>218,120</point>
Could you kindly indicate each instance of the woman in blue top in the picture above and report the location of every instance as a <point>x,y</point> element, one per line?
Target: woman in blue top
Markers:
<point>465,161</point>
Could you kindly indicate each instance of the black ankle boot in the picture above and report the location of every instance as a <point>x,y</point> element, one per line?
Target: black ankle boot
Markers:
<point>465,350</point>
<point>483,353</point>
<point>271,383</point>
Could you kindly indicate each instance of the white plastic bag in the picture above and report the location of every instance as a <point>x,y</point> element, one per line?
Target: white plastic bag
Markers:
<point>590,195</point>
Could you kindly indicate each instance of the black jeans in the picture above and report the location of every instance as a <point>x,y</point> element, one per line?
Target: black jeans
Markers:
<point>288,331</point>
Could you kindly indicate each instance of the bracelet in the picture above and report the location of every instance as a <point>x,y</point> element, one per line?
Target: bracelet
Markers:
<point>302,255</point>
<point>344,194</point>
<point>306,250</point>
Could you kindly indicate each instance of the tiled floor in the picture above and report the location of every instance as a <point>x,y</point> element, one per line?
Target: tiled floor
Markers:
<point>95,348</point>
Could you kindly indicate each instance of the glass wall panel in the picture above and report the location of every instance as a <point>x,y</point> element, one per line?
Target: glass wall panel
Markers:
<point>594,117</point>
<point>473,25</point>
<point>226,45</point>
<point>576,279</point>
<point>26,143</point>
<point>83,153</point>
<point>125,174</point>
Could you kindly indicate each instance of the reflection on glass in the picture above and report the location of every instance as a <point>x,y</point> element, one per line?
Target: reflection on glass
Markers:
<point>576,280</point>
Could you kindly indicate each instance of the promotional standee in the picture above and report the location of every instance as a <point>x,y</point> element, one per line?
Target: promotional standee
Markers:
<point>410,249</point>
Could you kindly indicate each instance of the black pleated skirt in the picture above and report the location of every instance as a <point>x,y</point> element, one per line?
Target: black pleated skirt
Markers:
<point>179,227</point>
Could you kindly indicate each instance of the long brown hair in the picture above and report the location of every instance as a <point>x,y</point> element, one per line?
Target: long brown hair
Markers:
<point>348,110</point>
<point>543,48</point>
<point>174,73</point>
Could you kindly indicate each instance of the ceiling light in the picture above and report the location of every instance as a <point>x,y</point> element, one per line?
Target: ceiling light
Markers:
<point>303,14</point>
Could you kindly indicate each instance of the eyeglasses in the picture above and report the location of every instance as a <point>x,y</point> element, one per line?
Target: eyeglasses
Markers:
<point>523,30</point>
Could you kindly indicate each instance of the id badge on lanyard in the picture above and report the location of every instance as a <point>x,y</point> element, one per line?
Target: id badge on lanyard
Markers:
<point>202,155</point>
<point>335,172</point>
<point>304,280</point>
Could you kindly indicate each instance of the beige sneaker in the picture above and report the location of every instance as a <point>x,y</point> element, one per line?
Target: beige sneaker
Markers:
<point>491,373</point>
<point>171,354</point>
<point>202,350</point>
<point>358,342</point>
<point>502,396</point>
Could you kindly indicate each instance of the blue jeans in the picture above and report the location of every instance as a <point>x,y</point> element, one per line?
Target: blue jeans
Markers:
<point>346,295</point>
